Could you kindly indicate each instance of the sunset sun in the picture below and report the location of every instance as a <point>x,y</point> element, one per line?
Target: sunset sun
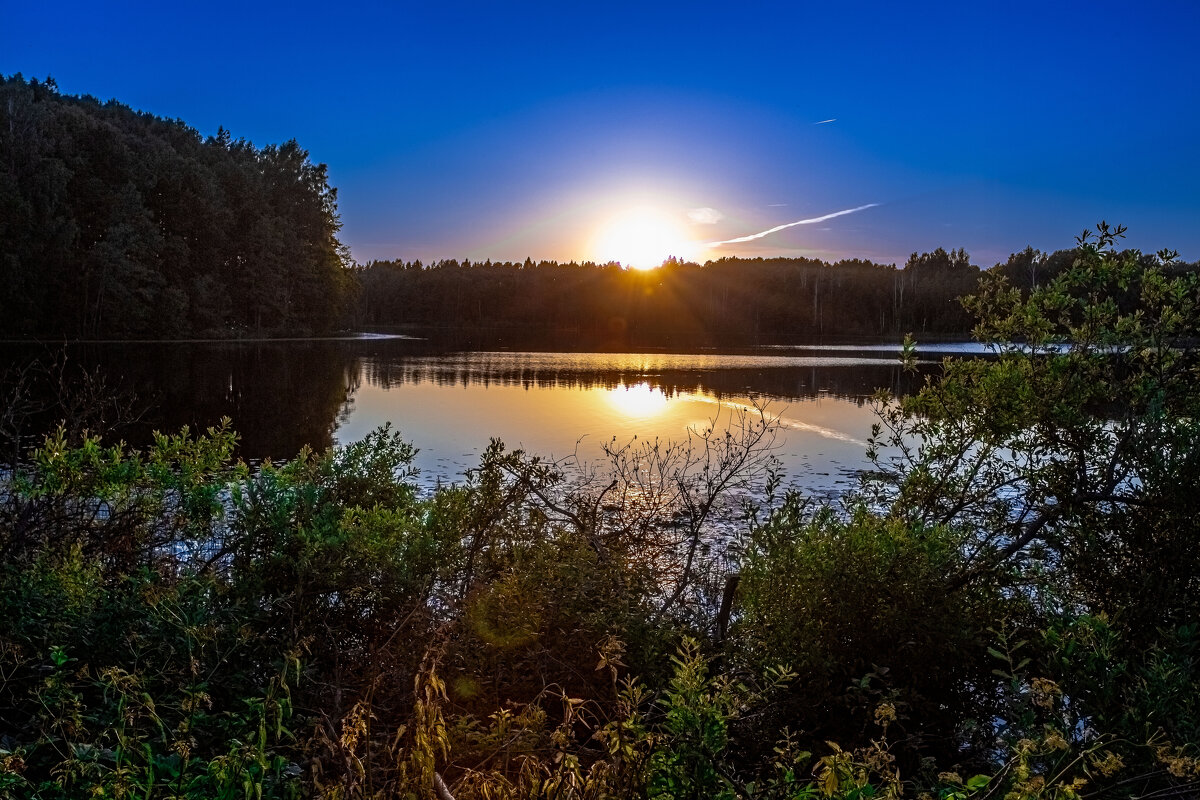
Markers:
<point>642,238</point>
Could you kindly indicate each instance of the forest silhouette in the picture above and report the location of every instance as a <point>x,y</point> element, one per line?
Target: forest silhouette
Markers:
<point>116,223</point>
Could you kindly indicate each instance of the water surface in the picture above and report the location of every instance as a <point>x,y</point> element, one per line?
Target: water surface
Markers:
<point>283,395</point>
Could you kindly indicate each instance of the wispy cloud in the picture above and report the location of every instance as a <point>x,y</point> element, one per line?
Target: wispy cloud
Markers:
<point>778,228</point>
<point>826,121</point>
<point>705,216</point>
<point>776,205</point>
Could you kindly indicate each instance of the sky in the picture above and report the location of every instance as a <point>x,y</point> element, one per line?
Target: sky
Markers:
<point>573,131</point>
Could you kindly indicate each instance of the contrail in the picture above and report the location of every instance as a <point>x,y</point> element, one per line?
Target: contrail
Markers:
<point>826,121</point>
<point>778,228</point>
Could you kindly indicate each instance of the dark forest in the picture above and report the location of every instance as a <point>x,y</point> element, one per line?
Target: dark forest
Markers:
<point>117,224</point>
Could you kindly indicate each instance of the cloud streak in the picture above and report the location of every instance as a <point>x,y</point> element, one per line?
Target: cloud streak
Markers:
<point>826,121</point>
<point>778,228</point>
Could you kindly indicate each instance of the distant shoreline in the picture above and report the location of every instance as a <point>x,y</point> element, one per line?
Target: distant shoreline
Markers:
<point>365,336</point>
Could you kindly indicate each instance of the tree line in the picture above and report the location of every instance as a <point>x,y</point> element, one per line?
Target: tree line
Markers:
<point>730,300</point>
<point>119,223</point>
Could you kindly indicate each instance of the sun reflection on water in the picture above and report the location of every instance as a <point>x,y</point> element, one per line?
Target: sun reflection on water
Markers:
<point>639,401</point>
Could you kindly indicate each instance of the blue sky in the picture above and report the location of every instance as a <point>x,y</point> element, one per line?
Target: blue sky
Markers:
<point>506,130</point>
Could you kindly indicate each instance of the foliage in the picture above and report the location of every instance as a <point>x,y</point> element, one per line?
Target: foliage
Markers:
<point>1007,609</point>
<point>1065,465</point>
<point>731,300</point>
<point>119,223</point>
<point>1083,425</point>
<point>857,605</point>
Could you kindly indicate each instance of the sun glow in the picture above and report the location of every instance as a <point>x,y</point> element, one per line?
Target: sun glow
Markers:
<point>643,238</point>
<point>639,401</point>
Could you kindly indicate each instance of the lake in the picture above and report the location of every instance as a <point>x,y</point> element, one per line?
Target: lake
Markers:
<point>449,402</point>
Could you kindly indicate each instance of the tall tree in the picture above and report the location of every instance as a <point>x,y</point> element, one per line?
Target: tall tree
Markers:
<point>120,223</point>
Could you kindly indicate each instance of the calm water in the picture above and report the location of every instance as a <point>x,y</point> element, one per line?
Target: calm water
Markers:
<point>283,395</point>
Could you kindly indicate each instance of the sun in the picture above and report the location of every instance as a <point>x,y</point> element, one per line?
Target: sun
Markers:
<point>643,237</point>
